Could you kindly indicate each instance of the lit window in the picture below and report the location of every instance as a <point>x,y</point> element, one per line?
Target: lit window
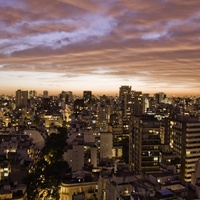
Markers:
<point>155,158</point>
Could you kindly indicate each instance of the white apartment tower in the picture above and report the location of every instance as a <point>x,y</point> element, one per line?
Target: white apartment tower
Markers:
<point>106,145</point>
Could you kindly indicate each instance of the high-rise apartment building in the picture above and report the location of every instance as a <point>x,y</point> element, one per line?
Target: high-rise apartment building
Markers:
<point>144,155</point>
<point>32,93</point>
<point>185,141</point>
<point>104,111</point>
<point>125,100</point>
<point>131,102</point>
<point>138,107</point>
<point>66,96</point>
<point>106,144</point>
<point>45,94</point>
<point>21,99</point>
<point>87,96</point>
<point>159,97</point>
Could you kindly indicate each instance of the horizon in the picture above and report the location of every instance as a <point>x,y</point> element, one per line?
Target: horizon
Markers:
<point>96,93</point>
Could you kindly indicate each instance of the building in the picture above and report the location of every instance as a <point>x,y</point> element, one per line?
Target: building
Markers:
<point>120,186</point>
<point>53,119</point>
<point>185,141</point>
<point>45,94</point>
<point>196,174</point>
<point>106,141</point>
<point>145,144</point>
<point>32,94</point>
<point>159,97</point>
<point>17,192</point>
<point>21,99</point>
<point>125,100</point>
<point>5,170</point>
<point>87,96</point>
<point>104,112</point>
<point>80,186</point>
<point>75,157</point>
<point>138,107</point>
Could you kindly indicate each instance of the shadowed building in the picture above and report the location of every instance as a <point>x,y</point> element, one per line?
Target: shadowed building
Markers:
<point>21,99</point>
<point>144,144</point>
<point>87,96</point>
<point>125,99</point>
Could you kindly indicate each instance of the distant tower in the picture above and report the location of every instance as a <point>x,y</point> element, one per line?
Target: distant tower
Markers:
<point>45,94</point>
<point>18,98</point>
<point>159,97</point>
<point>125,98</point>
<point>69,96</point>
<point>78,105</point>
<point>21,99</point>
<point>87,96</point>
<point>104,112</point>
<point>32,93</point>
<point>138,103</point>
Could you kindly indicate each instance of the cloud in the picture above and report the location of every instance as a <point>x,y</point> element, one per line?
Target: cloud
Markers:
<point>138,41</point>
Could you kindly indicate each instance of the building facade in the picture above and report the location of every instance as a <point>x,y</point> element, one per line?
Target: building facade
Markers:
<point>145,144</point>
<point>185,141</point>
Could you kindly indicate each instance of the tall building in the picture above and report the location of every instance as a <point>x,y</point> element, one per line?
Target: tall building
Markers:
<point>78,105</point>
<point>104,111</point>
<point>21,99</point>
<point>144,155</point>
<point>45,94</point>
<point>125,100</point>
<point>69,96</point>
<point>185,141</point>
<point>32,93</point>
<point>87,96</point>
<point>138,103</point>
<point>131,102</point>
<point>66,96</point>
<point>159,97</point>
<point>106,141</point>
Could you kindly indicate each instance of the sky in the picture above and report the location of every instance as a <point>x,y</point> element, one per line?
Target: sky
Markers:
<point>100,45</point>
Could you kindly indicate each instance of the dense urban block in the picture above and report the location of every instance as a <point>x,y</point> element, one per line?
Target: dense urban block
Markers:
<point>129,146</point>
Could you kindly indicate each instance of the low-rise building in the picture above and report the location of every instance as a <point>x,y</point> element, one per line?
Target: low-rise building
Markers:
<point>81,184</point>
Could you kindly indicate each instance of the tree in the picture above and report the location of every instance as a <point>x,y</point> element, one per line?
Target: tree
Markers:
<point>45,179</point>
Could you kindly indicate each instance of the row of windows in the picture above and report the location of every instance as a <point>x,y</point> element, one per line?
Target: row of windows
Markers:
<point>192,137</point>
<point>192,162</point>
<point>195,147</point>
<point>194,142</point>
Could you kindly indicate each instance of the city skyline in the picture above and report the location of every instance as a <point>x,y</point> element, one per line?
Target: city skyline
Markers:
<point>98,45</point>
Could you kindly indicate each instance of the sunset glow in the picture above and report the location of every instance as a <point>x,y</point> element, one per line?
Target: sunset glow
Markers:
<point>98,45</point>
